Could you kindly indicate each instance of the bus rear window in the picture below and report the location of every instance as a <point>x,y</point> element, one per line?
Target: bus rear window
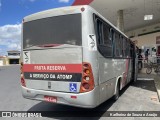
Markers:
<point>65,29</point>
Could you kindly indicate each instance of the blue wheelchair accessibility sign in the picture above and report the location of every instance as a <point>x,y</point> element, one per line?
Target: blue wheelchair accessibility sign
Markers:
<point>73,87</point>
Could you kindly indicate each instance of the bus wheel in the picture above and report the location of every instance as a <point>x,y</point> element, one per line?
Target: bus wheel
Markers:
<point>116,96</point>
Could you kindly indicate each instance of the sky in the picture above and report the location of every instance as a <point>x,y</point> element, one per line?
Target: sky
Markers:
<point>11,14</point>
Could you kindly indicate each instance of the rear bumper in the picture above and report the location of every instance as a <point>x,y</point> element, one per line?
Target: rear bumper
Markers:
<point>85,100</point>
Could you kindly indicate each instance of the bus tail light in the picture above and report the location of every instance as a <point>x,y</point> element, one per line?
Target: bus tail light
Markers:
<point>23,83</point>
<point>21,68</point>
<point>87,83</point>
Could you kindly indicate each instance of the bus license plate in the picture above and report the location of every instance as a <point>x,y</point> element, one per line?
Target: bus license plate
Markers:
<point>50,99</point>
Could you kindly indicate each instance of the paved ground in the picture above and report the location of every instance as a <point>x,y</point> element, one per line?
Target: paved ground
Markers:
<point>140,96</point>
<point>152,75</point>
<point>157,84</point>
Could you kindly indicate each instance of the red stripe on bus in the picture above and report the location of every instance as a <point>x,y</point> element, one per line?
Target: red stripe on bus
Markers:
<point>56,68</point>
<point>49,45</point>
<point>126,72</point>
<point>82,2</point>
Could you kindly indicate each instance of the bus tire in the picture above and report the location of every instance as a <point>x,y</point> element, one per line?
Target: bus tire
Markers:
<point>116,96</point>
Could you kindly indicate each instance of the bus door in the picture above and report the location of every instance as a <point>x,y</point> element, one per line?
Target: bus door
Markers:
<point>134,62</point>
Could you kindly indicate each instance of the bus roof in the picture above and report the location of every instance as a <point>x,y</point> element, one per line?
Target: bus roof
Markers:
<point>64,11</point>
<point>53,12</point>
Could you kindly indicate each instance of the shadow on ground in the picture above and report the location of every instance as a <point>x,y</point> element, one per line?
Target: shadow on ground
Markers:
<point>57,111</point>
<point>60,111</point>
<point>145,84</point>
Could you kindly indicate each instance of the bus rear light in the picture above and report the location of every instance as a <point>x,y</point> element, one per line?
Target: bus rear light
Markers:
<point>23,83</point>
<point>87,83</point>
<point>21,67</point>
<point>85,65</point>
<point>86,71</point>
<point>49,45</point>
<point>86,78</point>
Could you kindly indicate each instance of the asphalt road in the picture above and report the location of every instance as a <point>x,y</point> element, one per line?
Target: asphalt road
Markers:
<point>140,96</point>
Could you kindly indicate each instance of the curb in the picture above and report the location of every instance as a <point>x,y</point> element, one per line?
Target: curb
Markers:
<point>157,85</point>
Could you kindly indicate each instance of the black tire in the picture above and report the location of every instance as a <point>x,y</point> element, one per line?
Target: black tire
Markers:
<point>116,96</point>
<point>148,70</point>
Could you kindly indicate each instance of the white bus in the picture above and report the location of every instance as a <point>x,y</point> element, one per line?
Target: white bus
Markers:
<point>74,56</point>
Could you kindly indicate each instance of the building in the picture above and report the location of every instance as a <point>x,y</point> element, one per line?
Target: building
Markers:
<point>2,60</point>
<point>147,38</point>
<point>13,57</point>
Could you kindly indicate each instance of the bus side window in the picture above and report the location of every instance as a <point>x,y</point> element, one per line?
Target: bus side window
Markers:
<point>124,47</point>
<point>128,48</point>
<point>99,31</point>
<point>131,52</point>
<point>121,45</point>
<point>118,45</point>
<point>107,40</point>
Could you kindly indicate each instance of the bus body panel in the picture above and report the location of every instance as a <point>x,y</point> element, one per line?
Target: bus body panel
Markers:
<point>107,72</point>
<point>63,54</point>
<point>55,86</point>
<point>110,71</point>
<point>107,89</point>
<point>86,100</point>
<point>44,77</point>
<point>38,89</point>
<point>89,55</point>
<point>53,12</point>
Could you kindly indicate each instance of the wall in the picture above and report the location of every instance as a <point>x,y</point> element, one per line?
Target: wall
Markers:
<point>146,40</point>
<point>3,61</point>
<point>143,30</point>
